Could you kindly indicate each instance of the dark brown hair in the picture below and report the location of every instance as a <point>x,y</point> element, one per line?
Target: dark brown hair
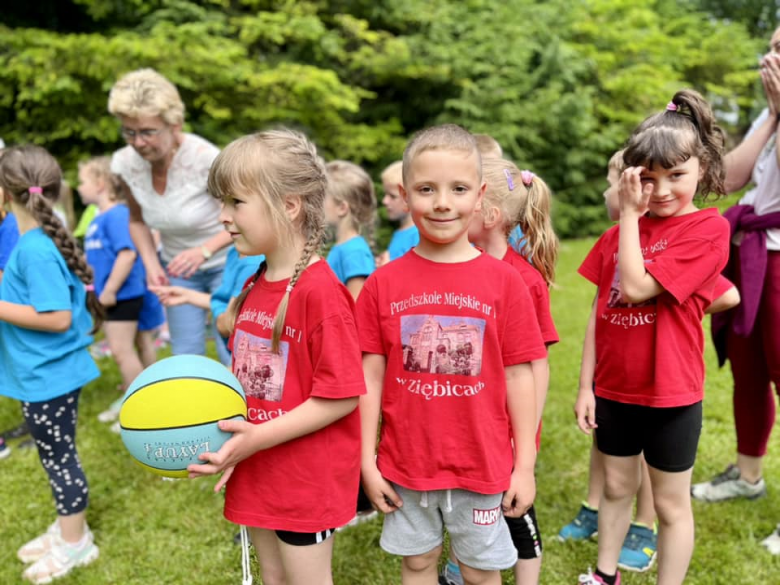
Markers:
<point>23,167</point>
<point>686,128</point>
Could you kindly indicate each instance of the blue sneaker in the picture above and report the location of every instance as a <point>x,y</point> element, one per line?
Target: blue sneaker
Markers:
<point>639,548</point>
<point>584,526</point>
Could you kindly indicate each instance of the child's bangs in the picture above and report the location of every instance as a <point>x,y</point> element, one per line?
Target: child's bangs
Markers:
<point>231,171</point>
<point>663,146</point>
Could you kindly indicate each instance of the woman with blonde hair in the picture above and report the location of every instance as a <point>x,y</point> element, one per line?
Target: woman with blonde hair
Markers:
<point>166,170</point>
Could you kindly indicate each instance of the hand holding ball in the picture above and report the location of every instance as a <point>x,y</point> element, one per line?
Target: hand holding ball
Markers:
<point>170,412</point>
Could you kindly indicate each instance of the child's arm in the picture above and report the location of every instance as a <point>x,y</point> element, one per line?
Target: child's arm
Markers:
<point>172,296</point>
<point>585,407</point>
<point>541,371</point>
<point>27,317</point>
<point>123,265</point>
<point>636,284</point>
<point>226,320</point>
<point>728,300</point>
<point>311,415</point>
<point>383,497</point>
<point>522,414</point>
<point>355,285</point>
<point>144,243</point>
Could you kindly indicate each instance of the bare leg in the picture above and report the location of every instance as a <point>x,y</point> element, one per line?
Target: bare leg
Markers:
<point>267,548</point>
<point>645,509</point>
<point>595,476</point>
<point>73,526</point>
<point>527,571</point>
<point>750,468</point>
<point>621,483</point>
<point>120,336</point>
<point>144,341</point>
<point>671,492</point>
<point>308,565</point>
<point>421,569</point>
<point>472,576</point>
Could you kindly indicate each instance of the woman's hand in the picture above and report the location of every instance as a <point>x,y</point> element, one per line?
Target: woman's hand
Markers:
<point>186,263</point>
<point>632,195</point>
<point>156,275</point>
<point>770,78</point>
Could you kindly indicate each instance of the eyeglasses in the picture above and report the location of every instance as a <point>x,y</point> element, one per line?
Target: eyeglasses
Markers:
<point>146,133</point>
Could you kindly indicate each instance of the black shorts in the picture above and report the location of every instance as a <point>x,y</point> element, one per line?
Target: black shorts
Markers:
<point>126,310</point>
<point>525,535</point>
<point>304,538</point>
<point>668,437</point>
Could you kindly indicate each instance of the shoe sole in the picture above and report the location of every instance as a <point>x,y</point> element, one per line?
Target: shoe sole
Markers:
<point>639,570</point>
<point>593,536</point>
<point>750,497</point>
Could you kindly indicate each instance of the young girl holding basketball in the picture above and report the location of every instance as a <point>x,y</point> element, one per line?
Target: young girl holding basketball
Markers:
<point>292,470</point>
<point>515,198</point>
<point>44,358</point>
<point>656,273</point>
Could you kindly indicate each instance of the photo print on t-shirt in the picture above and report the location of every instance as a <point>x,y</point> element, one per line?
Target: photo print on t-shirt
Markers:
<point>615,300</point>
<point>260,370</point>
<point>440,344</point>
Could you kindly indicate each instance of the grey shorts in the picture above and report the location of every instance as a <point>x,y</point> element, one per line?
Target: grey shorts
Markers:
<point>475,522</point>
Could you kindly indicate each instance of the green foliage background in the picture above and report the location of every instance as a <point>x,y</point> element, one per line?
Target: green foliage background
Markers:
<point>559,83</point>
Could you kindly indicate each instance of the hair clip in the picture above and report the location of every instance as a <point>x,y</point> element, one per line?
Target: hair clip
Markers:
<point>672,107</point>
<point>527,177</point>
<point>35,190</point>
<point>289,288</point>
<point>509,182</point>
<point>89,287</point>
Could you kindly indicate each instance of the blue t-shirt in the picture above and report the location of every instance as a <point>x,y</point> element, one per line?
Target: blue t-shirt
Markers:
<point>517,239</point>
<point>351,259</point>
<point>9,234</point>
<point>237,271</point>
<point>41,365</point>
<point>107,235</point>
<point>403,241</point>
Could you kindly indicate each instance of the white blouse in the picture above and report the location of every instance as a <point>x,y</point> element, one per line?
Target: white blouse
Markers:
<point>765,195</point>
<point>186,215</point>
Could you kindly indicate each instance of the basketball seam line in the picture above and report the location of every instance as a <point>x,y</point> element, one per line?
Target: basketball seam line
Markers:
<point>208,422</point>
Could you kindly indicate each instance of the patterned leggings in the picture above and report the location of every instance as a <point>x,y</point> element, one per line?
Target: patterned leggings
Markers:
<point>53,426</point>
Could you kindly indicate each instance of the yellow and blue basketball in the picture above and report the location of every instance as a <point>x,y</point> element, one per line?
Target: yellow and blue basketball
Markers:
<point>170,412</point>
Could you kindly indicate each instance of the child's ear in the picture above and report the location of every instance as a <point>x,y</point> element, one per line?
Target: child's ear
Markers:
<point>480,196</point>
<point>702,169</point>
<point>491,216</point>
<point>293,206</point>
<point>404,195</point>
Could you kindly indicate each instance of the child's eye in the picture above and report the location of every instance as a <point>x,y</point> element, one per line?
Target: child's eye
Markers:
<point>425,189</point>
<point>461,189</point>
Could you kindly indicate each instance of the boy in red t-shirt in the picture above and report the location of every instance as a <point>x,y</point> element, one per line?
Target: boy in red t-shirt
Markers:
<point>447,335</point>
<point>656,273</point>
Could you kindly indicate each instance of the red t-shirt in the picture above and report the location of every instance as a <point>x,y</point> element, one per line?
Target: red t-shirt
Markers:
<point>447,331</point>
<point>651,353</point>
<point>540,294</point>
<point>308,484</point>
<point>722,286</point>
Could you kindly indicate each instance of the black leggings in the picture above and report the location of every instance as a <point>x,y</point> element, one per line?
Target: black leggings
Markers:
<point>53,426</point>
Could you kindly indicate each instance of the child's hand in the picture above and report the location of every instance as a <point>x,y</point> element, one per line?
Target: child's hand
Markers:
<point>520,495</point>
<point>632,195</point>
<point>382,495</point>
<point>107,298</point>
<point>240,446</point>
<point>172,296</point>
<point>585,410</point>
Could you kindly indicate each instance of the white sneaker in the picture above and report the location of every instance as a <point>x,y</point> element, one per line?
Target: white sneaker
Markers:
<point>112,412</point>
<point>728,485</point>
<point>40,545</point>
<point>61,560</point>
<point>772,542</point>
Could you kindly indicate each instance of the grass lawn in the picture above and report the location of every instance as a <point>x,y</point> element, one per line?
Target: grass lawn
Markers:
<point>152,531</point>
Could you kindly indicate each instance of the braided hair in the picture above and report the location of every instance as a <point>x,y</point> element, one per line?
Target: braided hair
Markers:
<point>32,178</point>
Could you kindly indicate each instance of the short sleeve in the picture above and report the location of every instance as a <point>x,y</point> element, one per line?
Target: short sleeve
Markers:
<point>722,286</point>
<point>540,297</point>
<point>117,229</point>
<point>593,264</point>
<point>367,316</point>
<point>48,285</point>
<point>9,235</point>
<point>690,262</point>
<point>358,263</point>
<point>337,369</point>
<point>522,339</point>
